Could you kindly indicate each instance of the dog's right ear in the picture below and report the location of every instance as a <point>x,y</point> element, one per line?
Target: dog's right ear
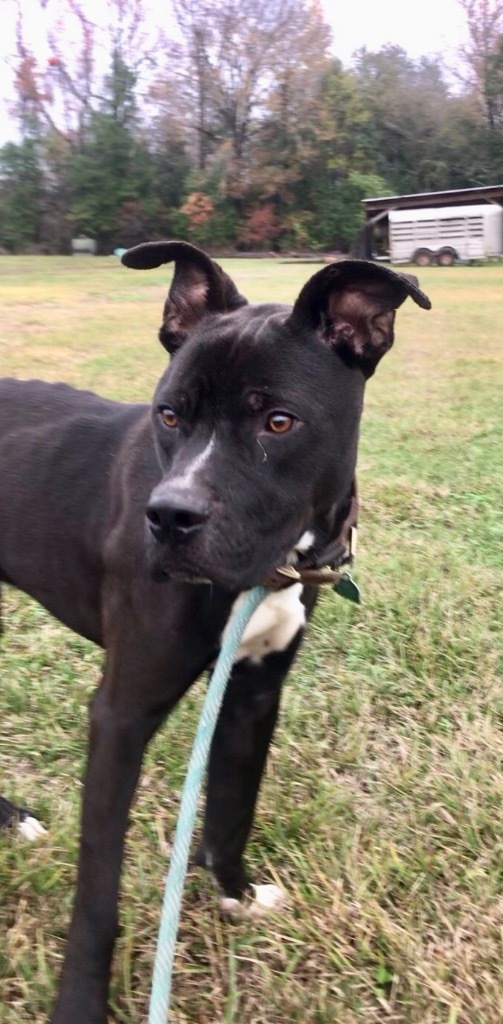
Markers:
<point>199,286</point>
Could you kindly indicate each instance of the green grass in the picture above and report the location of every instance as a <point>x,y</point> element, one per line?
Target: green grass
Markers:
<point>381,812</point>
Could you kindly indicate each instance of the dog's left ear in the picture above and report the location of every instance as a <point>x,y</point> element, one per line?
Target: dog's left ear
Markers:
<point>351,304</point>
<point>199,286</point>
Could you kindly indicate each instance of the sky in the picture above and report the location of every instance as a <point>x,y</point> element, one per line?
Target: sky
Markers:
<point>420,28</point>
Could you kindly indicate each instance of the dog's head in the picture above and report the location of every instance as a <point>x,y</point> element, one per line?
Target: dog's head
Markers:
<point>256,418</point>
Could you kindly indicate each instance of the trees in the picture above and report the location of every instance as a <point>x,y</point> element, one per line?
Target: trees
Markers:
<point>21,172</point>
<point>482,71</point>
<point>482,55</point>
<point>107,170</point>
<point>414,119</point>
<point>21,194</point>
<point>97,171</point>
<point>240,62</point>
<point>240,129</point>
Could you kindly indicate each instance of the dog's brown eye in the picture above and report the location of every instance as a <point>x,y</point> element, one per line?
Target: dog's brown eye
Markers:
<point>280,423</point>
<point>168,416</point>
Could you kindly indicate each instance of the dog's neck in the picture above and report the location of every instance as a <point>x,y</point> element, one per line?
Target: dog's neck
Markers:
<point>322,550</point>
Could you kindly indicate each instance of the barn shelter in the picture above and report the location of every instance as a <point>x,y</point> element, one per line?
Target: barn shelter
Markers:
<point>374,239</point>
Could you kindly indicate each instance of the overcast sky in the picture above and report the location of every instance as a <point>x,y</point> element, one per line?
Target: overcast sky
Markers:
<point>425,27</point>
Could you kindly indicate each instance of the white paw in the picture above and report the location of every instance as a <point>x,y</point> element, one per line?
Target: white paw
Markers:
<point>267,899</point>
<point>232,908</point>
<point>31,829</point>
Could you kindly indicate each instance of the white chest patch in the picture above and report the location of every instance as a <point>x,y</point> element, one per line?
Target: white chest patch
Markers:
<point>273,626</point>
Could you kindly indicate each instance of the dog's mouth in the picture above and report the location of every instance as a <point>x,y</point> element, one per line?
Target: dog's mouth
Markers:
<point>164,566</point>
<point>191,562</point>
<point>186,577</point>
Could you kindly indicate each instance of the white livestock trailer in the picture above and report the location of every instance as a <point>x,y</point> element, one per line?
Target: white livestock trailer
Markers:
<point>446,234</point>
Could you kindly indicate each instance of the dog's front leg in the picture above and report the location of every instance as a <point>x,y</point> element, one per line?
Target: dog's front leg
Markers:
<point>130,704</point>
<point>114,761</point>
<point>238,755</point>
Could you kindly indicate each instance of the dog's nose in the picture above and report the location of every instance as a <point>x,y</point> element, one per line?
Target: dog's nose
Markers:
<point>175,516</point>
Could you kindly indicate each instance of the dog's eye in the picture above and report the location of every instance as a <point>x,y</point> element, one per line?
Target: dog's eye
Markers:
<point>168,416</point>
<point>280,423</point>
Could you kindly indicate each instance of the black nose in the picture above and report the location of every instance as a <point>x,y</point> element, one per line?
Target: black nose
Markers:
<point>172,516</point>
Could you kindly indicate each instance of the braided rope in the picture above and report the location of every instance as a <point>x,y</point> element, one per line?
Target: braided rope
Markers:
<point>170,916</point>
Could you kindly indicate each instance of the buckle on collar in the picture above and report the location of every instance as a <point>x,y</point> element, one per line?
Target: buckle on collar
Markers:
<point>290,572</point>
<point>321,562</point>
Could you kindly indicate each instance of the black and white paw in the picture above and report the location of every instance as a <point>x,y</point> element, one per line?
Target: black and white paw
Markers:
<point>263,900</point>
<point>30,828</point>
<point>19,819</point>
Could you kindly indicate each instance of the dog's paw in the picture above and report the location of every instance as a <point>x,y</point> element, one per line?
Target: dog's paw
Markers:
<point>266,899</point>
<point>30,829</point>
<point>19,819</point>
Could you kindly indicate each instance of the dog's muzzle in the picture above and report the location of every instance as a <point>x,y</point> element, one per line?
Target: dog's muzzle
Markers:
<point>175,517</point>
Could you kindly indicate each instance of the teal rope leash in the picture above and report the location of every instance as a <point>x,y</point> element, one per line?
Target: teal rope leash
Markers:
<point>170,916</point>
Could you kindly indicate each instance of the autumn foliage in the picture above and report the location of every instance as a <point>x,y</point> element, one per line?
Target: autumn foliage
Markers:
<point>239,129</point>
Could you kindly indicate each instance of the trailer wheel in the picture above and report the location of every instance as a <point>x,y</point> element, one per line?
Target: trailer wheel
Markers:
<point>446,257</point>
<point>423,257</point>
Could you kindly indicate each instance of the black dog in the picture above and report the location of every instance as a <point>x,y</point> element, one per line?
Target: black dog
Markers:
<point>244,464</point>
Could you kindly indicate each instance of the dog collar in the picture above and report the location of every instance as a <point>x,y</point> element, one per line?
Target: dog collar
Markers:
<point>323,561</point>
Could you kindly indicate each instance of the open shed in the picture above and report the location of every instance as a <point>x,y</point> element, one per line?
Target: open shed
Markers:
<point>375,236</point>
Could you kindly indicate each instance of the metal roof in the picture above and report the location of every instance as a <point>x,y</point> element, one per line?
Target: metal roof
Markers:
<point>452,197</point>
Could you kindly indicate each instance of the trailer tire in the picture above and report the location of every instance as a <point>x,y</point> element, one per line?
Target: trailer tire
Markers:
<point>446,257</point>
<point>423,257</point>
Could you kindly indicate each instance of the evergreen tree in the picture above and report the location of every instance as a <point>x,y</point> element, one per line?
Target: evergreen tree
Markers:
<point>21,194</point>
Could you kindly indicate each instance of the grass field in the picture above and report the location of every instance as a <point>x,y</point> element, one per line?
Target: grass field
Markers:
<point>382,808</point>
